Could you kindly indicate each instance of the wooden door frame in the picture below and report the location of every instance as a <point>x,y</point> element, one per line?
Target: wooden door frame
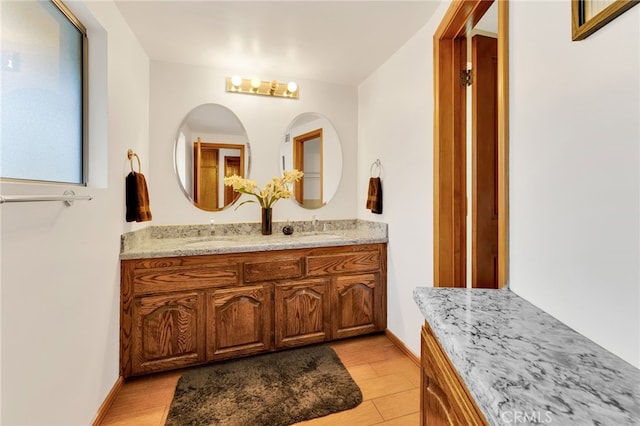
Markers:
<point>198,149</point>
<point>449,162</point>
<point>198,146</point>
<point>298,162</point>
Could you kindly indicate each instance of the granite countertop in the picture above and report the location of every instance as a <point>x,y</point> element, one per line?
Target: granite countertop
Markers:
<point>193,240</point>
<point>522,365</point>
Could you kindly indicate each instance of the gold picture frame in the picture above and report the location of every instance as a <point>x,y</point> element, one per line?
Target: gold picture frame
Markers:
<point>588,16</point>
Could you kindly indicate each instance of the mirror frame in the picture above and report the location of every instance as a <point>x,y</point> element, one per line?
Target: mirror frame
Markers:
<point>450,205</point>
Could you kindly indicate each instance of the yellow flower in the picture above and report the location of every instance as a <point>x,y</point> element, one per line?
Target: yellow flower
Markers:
<point>273,191</point>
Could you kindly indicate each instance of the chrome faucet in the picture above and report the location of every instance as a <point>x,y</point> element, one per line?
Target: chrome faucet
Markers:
<point>314,223</point>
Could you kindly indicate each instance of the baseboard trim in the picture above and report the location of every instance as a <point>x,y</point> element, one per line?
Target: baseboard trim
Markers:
<point>403,348</point>
<point>106,404</point>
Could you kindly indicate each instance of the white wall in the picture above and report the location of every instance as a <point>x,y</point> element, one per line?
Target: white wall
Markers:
<point>60,267</point>
<point>395,125</point>
<point>176,89</point>
<point>574,182</point>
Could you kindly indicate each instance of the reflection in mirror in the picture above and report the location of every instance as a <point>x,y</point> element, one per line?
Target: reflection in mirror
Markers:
<point>482,151</point>
<point>311,145</point>
<point>211,144</point>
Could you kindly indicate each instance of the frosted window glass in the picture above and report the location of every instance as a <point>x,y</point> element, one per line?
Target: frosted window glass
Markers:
<point>41,132</point>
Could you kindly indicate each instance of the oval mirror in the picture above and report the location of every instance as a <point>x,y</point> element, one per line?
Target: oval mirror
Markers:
<point>311,145</point>
<point>211,143</point>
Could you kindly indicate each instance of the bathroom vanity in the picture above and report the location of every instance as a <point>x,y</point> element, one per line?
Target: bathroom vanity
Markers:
<point>189,297</point>
<point>491,357</point>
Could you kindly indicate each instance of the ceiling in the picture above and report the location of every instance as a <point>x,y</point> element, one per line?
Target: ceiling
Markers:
<point>340,42</point>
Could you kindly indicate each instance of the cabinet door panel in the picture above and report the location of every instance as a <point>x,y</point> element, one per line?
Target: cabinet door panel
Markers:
<point>445,399</point>
<point>238,321</point>
<point>302,313</point>
<point>435,408</point>
<point>436,405</point>
<point>357,305</point>
<point>168,332</point>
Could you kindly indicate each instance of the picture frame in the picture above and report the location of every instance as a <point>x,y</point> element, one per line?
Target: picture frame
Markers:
<point>588,16</point>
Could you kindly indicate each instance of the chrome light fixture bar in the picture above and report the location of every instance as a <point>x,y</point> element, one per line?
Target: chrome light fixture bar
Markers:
<point>255,86</point>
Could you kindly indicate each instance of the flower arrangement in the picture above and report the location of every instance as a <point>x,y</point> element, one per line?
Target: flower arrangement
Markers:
<point>273,191</point>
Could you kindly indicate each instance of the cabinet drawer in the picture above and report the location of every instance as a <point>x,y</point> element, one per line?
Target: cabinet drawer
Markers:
<point>340,263</point>
<point>273,269</point>
<point>171,279</point>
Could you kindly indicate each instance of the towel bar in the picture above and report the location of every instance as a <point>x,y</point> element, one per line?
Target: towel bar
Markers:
<point>68,197</point>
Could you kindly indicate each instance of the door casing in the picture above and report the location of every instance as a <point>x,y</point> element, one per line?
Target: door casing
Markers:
<point>298,162</point>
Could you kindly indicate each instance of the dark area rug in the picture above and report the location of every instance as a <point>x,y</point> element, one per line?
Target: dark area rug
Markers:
<point>275,389</point>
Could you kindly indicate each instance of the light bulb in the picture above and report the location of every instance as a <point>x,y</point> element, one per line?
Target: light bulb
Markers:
<point>255,83</point>
<point>236,81</point>
<point>292,87</point>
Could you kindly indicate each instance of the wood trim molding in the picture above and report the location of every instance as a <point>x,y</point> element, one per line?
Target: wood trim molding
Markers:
<point>582,28</point>
<point>403,348</point>
<point>108,401</point>
<point>450,204</point>
<point>503,143</point>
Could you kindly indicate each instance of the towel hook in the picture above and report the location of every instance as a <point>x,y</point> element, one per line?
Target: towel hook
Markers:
<point>376,164</point>
<point>130,155</point>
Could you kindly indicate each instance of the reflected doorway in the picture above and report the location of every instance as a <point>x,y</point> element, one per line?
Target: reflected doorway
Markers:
<point>231,167</point>
<point>482,146</point>
<point>212,162</point>
<point>308,158</point>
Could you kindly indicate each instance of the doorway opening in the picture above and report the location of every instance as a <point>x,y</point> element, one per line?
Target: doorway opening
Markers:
<point>450,152</point>
<point>308,158</point>
<point>212,162</point>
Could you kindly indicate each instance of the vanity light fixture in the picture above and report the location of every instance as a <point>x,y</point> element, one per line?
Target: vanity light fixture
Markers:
<point>256,86</point>
<point>236,81</point>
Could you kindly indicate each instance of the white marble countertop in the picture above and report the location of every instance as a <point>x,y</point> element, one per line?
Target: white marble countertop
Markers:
<point>523,366</point>
<point>193,240</point>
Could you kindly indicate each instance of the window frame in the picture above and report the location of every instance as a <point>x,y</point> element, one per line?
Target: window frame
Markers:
<point>84,111</point>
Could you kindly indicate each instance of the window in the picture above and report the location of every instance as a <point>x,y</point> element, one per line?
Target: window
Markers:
<point>42,93</point>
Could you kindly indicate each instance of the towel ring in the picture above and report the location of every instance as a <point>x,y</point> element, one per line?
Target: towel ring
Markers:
<point>130,155</point>
<point>378,166</point>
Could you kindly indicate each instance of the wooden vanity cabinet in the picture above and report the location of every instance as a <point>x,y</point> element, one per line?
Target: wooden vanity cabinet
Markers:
<point>444,398</point>
<point>182,311</point>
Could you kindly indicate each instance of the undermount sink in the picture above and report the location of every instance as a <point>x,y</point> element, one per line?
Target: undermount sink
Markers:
<point>211,242</point>
<point>225,241</point>
<point>317,237</point>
